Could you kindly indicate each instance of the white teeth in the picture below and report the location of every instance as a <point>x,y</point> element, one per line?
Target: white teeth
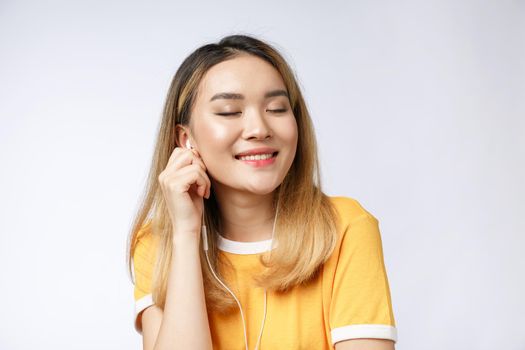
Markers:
<point>257,157</point>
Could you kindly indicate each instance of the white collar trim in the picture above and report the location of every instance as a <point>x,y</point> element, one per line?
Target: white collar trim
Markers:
<point>237,247</point>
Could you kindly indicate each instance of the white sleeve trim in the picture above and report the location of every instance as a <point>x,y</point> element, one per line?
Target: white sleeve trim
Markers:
<point>140,305</point>
<point>379,331</point>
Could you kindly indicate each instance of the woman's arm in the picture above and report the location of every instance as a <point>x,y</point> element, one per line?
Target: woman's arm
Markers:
<point>365,344</point>
<point>184,322</point>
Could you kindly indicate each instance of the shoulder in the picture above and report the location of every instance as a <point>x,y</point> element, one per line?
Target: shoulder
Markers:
<point>349,210</point>
<point>357,230</point>
<point>147,241</point>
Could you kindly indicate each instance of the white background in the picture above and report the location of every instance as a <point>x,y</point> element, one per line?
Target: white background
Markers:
<point>419,111</point>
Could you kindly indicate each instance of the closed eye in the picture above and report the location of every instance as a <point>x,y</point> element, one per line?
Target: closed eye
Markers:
<point>282,110</point>
<point>227,114</point>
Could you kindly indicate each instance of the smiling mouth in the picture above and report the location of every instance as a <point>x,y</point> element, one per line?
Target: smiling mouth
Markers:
<point>273,156</point>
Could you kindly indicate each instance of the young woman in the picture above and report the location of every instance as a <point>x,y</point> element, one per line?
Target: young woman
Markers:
<point>235,245</point>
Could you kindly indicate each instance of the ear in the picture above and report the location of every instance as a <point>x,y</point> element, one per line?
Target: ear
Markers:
<point>182,135</point>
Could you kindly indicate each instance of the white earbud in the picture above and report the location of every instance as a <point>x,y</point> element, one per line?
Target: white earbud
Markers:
<point>188,144</point>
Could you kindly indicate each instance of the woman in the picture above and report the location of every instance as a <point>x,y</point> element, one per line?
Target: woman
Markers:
<point>235,245</point>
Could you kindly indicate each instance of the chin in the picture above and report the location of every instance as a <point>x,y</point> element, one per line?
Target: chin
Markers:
<point>261,187</point>
<point>262,190</point>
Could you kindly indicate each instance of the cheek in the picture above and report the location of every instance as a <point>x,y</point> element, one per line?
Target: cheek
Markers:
<point>215,143</point>
<point>214,136</point>
<point>213,133</point>
<point>290,131</point>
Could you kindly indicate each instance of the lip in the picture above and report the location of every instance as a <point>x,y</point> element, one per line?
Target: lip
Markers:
<point>261,162</point>
<point>254,151</point>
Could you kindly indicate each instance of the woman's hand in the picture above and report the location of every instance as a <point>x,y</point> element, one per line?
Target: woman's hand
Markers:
<point>184,183</point>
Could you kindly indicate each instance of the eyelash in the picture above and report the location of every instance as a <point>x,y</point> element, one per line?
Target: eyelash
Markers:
<point>271,110</point>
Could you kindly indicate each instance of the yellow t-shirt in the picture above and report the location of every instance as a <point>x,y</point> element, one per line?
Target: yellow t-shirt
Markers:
<point>349,299</point>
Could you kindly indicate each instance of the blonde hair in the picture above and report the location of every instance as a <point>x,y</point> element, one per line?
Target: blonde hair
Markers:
<point>305,227</point>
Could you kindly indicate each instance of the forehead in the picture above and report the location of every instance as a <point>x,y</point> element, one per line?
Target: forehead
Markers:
<point>246,74</point>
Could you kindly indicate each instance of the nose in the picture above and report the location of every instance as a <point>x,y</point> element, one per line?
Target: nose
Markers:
<point>256,126</point>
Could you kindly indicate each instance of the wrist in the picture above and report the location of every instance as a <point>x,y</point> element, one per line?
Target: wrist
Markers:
<point>186,238</point>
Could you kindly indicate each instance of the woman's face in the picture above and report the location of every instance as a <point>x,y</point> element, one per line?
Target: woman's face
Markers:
<point>242,106</point>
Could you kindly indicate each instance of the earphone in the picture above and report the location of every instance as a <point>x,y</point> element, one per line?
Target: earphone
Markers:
<point>205,246</point>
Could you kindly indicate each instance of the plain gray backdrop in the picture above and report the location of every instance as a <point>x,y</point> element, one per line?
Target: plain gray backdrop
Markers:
<point>419,112</point>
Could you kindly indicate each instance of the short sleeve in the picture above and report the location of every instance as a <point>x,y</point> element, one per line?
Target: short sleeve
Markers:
<point>361,305</point>
<point>144,258</point>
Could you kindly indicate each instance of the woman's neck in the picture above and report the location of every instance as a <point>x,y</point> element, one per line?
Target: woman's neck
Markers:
<point>246,217</point>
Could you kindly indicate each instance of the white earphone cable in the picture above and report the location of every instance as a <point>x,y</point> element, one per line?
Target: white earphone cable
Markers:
<point>205,245</point>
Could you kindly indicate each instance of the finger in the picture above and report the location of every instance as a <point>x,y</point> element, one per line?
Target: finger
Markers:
<point>199,161</point>
<point>196,176</point>
<point>190,175</point>
<point>183,157</point>
<point>206,188</point>
<point>174,154</point>
<point>206,177</point>
<point>194,150</point>
<point>180,158</point>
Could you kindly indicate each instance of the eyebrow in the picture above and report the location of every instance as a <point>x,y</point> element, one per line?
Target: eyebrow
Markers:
<point>235,96</point>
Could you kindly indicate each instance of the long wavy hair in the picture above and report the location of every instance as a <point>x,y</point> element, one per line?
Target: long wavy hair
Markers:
<point>305,227</point>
